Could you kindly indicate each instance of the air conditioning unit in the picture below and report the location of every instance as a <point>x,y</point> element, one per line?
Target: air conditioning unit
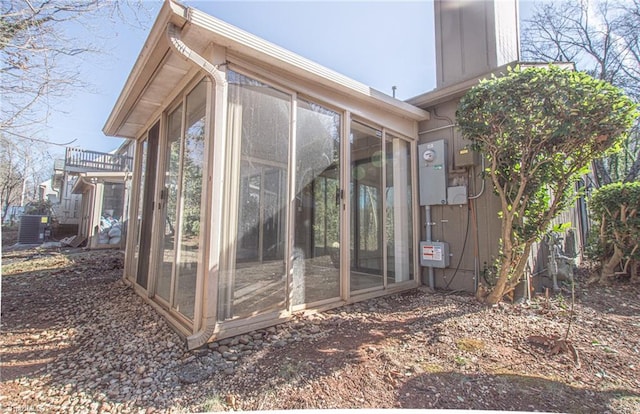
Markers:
<point>32,229</point>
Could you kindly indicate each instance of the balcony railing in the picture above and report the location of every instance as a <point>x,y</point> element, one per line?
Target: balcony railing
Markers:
<point>79,160</point>
<point>58,165</point>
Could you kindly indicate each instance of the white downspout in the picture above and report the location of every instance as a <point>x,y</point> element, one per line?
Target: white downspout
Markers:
<point>87,222</point>
<point>218,78</point>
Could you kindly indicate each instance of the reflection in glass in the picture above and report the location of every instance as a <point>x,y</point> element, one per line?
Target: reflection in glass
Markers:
<point>367,220</point>
<point>170,203</point>
<point>316,255</point>
<point>181,197</point>
<point>113,201</point>
<point>191,197</point>
<point>399,229</point>
<point>147,205</point>
<point>259,118</point>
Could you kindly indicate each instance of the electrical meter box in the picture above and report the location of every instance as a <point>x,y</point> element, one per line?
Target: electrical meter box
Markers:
<point>434,254</point>
<point>432,171</point>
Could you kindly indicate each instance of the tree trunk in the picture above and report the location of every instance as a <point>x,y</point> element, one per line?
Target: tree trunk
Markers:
<point>509,277</point>
<point>500,289</point>
<point>5,211</point>
<point>496,294</point>
<point>609,268</point>
<point>601,174</point>
<point>634,171</point>
<point>635,278</point>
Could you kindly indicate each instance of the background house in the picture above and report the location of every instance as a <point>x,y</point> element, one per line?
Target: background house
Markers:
<point>94,191</point>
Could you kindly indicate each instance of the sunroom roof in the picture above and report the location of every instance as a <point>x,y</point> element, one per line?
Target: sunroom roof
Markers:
<point>145,92</point>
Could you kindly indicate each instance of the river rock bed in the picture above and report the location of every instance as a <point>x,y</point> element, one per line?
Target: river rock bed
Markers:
<point>75,338</point>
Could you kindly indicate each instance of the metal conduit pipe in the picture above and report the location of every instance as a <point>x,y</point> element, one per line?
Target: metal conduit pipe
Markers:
<point>474,212</point>
<point>436,129</point>
<point>219,80</point>
<point>429,223</point>
<point>477,196</point>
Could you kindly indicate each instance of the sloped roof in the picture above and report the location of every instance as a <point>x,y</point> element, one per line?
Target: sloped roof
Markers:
<point>145,92</point>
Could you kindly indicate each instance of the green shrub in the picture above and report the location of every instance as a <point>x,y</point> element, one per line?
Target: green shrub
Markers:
<point>616,244</point>
<point>538,129</point>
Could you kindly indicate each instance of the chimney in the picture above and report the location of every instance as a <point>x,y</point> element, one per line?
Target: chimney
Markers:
<point>474,37</point>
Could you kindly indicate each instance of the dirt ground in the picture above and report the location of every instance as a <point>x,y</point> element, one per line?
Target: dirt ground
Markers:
<point>412,350</point>
<point>9,235</point>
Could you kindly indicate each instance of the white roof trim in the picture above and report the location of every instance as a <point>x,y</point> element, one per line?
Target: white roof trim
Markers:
<point>437,96</point>
<point>84,179</point>
<point>237,39</point>
<point>169,12</point>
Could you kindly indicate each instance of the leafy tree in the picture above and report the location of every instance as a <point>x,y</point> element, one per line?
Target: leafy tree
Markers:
<point>616,210</point>
<point>538,128</point>
<point>192,179</point>
<point>602,38</point>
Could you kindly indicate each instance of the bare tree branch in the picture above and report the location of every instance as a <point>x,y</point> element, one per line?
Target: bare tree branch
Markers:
<point>40,58</point>
<point>22,169</point>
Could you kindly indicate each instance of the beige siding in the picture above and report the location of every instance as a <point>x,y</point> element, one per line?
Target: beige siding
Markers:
<point>451,221</point>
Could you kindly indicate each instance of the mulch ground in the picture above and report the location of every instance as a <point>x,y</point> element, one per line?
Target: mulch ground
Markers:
<point>412,350</point>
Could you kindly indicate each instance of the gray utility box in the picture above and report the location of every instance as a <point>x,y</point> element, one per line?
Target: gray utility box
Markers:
<point>457,195</point>
<point>432,170</point>
<point>434,254</point>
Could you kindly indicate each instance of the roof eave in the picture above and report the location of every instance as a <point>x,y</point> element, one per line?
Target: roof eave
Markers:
<point>438,96</point>
<point>169,12</point>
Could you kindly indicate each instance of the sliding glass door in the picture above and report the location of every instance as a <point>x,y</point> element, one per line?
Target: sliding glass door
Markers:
<point>255,281</point>
<point>367,220</point>
<point>286,249</point>
<point>180,201</point>
<point>381,234</point>
<point>144,219</point>
<point>316,254</point>
<point>285,245</point>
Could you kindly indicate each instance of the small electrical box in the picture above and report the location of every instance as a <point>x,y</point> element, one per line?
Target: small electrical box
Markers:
<point>457,195</point>
<point>434,254</point>
<point>466,157</point>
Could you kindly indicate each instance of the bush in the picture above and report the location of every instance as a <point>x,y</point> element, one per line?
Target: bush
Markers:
<point>615,210</point>
<point>38,208</point>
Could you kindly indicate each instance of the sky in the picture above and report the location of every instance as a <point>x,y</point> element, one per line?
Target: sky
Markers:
<point>379,43</point>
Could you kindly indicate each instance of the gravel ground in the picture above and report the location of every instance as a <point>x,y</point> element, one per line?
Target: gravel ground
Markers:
<point>76,339</point>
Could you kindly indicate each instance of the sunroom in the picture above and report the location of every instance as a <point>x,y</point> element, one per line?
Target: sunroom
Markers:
<point>264,185</point>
